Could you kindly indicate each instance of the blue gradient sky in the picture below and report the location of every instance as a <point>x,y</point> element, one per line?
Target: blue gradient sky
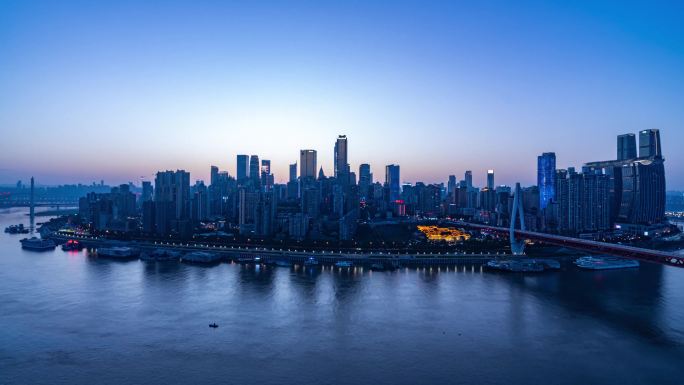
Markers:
<point>119,90</point>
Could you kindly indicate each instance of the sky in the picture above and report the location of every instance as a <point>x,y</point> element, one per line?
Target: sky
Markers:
<point>117,90</point>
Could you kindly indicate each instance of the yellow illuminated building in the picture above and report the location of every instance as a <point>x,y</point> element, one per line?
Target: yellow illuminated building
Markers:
<point>448,234</point>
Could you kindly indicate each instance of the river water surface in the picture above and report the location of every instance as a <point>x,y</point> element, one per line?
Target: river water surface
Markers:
<point>70,318</point>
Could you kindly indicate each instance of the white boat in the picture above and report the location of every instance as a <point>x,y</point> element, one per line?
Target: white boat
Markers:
<point>344,264</point>
<point>119,252</point>
<point>605,263</point>
<point>246,260</point>
<point>516,265</point>
<point>37,244</point>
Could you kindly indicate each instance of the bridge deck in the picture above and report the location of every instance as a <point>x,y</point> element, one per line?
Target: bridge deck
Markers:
<point>626,251</point>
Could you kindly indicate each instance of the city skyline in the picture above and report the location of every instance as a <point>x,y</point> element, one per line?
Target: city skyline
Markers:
<point>341,192</point>
<point>243,160</point>
<point>118,92</point>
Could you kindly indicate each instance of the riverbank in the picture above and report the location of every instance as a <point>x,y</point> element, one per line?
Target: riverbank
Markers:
<point>266,254</point>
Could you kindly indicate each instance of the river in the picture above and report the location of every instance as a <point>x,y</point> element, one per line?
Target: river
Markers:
<point>71,318</point>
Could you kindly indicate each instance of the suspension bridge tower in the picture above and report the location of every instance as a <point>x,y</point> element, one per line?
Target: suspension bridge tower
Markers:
<point>517,245</point>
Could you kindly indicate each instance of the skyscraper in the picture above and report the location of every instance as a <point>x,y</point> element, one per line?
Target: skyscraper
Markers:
<point>626,147</point>
<point>173,186</point>
<point>490,179</point>
<point>561,199</point>
<point>546,178</point>
<point>199,202</point>
<point>392,181</point>
<point>172,201</point>
<point>469,179</point>
<point>649,144</point>
<point>307,163</point>
<point>265,167</point>
<point>242,167</point>
<point>254,170</point>
<point>247,205</point>
<point>365,179</point>
<point>293,172</point>
<point>214,175</point>
<point>341,156</point>
<point>266,176</point>
<point>292,185</point>
<point>643,193</point>
<point>451,184</point>
<point>147,191</point>
<point>636,186</point>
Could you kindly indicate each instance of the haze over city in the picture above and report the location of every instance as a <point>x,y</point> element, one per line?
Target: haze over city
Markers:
<point>117,91</point>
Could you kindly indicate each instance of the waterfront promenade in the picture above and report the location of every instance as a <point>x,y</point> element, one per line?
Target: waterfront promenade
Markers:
<point>294,255</point>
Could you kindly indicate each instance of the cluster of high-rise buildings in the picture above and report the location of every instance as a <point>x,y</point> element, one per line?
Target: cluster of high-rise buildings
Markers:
<point>114,210</point>
<point>309,205</point>
<point>626,193</point>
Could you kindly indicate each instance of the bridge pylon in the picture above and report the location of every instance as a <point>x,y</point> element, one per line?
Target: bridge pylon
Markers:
<point>517,246</point>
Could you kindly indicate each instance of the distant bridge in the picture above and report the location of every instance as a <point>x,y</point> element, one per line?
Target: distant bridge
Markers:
<point>39,203</point>
<point>647,255</point>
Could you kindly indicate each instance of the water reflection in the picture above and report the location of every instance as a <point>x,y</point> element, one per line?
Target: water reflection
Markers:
<point>630,300</point>
<point>330,325</point>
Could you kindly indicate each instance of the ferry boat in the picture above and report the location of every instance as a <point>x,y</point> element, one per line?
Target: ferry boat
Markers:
<point>16,229</point>
<point>605,263</point>
<point>246,260</point>
<point>117,252</point>
<point>72,245</point>
<point>37,244</point>
<point>201,257</point>
<point>161,255</point>
<point>311,261</point>
<point>344,264</point>
<point>516,265</point>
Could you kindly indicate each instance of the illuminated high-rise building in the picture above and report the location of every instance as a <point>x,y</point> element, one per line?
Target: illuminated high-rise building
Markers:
<point>546,178</point>
<point>392,177</point>
<point>490,179</point>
